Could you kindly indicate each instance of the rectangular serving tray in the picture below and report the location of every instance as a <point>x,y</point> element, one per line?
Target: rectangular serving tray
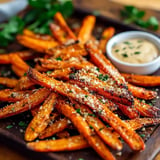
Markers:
<point>14,137</point>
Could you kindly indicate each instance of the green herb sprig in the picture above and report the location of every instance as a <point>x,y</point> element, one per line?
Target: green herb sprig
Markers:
<point>36,19</point>
<point>133,15</point>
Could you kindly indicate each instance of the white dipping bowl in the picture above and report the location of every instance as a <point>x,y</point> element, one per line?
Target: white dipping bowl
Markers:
<point>145,68</point>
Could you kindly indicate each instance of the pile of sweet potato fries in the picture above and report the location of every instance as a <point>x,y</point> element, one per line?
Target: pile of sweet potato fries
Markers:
<point>73,86</point>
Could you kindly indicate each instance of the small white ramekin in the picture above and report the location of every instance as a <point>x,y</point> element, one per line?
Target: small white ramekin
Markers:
<point>145,68</point>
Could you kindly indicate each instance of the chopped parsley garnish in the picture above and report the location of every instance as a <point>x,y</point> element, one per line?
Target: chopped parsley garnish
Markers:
<point>49,72</point>
<point>59,59</point>
<point>32,129</point>
<point>101,129</point>
<point>25,74</point>
<point>126,42</point>
<point>117,50</point>
<point>103,77</point>
<point>137,52</point>
<point>9,126</point>
<point>86,96</point>
<point>12,95</point>
<point>78,110</point>
<point>97,69</point>
<point>140,41</point>
<point>90,126</point>
<point>125,55</point>
<point>91,114</point>
<point>71,75</point>
<point>22,124</point>
<point>70,91</point>
<point>81,159</point>
<point>142,135</point>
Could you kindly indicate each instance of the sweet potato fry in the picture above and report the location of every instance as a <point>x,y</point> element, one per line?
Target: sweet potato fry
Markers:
<point>106,35</point>
<point>141,122</point>
<point>142,93</point>
<point>10,95</point>
<point>99,127</point>
<point>145,109</point>
<point>63,134</point>
<point>9,82</point>
<point>58,33</point>
<point>91,137</point>
<point>40,120</point>
<point>36,44</point>
<point>24,83</point>
<point>104,64</point>
<point>54,128</point>
<point>86,28</point>
<point>65,144</point>
<point>25,104</point>
<point>97,84</point>
<point>142,80</point>
<point>18,71</point>
<point>60,20</point>
<point>25,55</point>
<point>18,62</point>
<point>76,93</point>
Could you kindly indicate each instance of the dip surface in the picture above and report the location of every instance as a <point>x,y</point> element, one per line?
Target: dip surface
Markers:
<point>135,51</point>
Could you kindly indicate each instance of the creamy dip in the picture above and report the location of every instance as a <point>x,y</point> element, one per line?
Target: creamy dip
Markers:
<point>135,51</point>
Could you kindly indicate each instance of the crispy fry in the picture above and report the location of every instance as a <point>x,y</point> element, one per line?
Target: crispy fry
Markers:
<point>63,134</point>
<point>54,128</point>
<point>36,44</point>
<point>25,104</point>
<point>142,80</point>
<point>9,95</point>
<point>9,82</point>
<point>84,129</point>
<point>86,28</point>
<point>99,127</point>
<point>106,35</point>
<point>74,92</point>
<point>145,109</point>
<point>40,120</point>
<point>65,144</point>
<point>104,64</point>
<point>18,71</point>
<point>18,62</point>
<point>60,20</point>
<point>142,93</point>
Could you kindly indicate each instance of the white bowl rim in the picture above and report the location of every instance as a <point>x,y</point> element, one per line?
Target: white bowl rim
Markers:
<point>139,34</point>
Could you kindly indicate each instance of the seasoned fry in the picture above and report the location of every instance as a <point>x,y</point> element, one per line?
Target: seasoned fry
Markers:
<point>106,35</point>
<point>40,120</point>
<point>142,93</point>
<point>63,134</point>
<point>10,95</point>
<point>142,80</point>
<point>74,92</point>
<point>60,20</point>
<point>38,45</point>
<point>86,28</point>
<point>145,109</point>
<point>65,144</point>
<point>104,64</point>
<point>99,127</point>
<point>18,71</point>
<point>54,128</point>
<point>84,129</point>
<point>25,104</point>
<point>9,82</point>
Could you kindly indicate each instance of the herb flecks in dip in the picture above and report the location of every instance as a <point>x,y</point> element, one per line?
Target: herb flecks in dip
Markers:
<point>135,51</point>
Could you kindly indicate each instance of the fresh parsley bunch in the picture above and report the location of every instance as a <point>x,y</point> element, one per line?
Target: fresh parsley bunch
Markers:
<point>133,15</point>
<point>37,19</point>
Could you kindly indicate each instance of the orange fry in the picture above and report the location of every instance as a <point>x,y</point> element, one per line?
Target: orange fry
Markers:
<point>142,80</point>
<point>25,104</point>
<point>76,93</point>
<point>145,109</point>
<point>10,95</point>
<point>38,45</point>
<point>82,126</point>
<point>18,62</point>
<point>54,128</point>
<point>65,144</point>
<point>40,120</point>
<point>142,93</point>
<point>63,134</point>
<point>60,20</point>
<point>99,127</point>
<point>18,71</point>
<point>86,28</point>
<point>106,35</point>
<point>104,64</point>
<point>9,82</point>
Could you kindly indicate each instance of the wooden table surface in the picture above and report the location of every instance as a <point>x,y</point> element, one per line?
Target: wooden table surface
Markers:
<point>108,8</point>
